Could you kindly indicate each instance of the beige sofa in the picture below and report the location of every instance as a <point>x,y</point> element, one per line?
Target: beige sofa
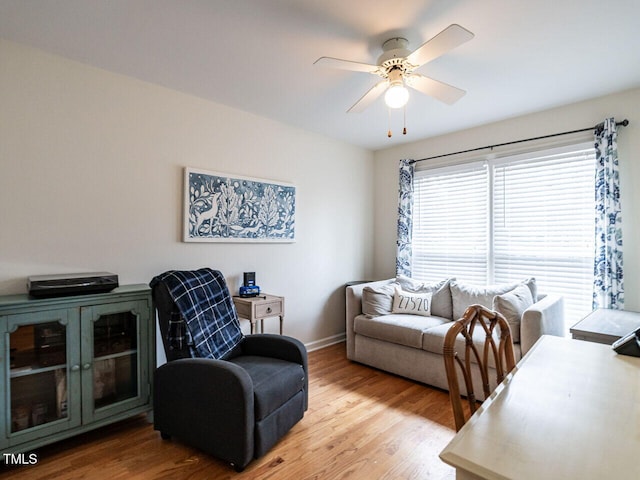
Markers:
<point>410,345</point>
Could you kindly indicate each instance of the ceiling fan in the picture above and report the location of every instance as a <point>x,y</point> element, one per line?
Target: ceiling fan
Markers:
<point>396,66</point>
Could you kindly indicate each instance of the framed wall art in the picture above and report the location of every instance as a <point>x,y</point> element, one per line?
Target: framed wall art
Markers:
<point>219,207</point>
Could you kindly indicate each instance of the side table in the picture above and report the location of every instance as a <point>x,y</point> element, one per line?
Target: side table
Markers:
<point>260,307</point>
<point>605,326</point>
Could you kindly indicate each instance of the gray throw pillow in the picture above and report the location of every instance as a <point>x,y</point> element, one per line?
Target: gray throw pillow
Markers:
<point>378,300</point>
<point>464,295</point>
<point>512,305</point>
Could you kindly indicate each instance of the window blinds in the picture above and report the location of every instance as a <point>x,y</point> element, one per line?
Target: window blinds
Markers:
<point>544,225</point>
<point>450,223</point>
<point>501,221</point>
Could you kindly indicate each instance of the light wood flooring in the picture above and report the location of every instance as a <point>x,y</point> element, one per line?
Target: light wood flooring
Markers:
<point>361,424</point>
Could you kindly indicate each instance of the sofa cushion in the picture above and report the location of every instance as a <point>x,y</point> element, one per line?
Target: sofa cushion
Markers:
<point>412,303</point>
<point>378,300</point>
<point>464,295</point>
<point>397,328</point>
<point>441,304</point>
<point>512,305</point>
<point>433,341</point>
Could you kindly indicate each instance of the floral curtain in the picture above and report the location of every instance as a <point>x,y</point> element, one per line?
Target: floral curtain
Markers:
<point>405,218</point>
<point>608,291</point>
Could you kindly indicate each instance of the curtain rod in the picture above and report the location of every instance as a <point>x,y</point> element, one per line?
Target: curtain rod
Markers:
<point>623,123</point>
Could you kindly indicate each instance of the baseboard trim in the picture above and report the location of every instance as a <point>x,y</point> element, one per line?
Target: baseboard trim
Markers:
<point>325,342</point>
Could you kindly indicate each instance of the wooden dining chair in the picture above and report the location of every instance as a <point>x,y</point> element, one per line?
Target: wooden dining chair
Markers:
<point>494,339</point>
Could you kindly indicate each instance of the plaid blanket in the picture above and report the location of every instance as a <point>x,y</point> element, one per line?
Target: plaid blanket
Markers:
<point>204,301</point>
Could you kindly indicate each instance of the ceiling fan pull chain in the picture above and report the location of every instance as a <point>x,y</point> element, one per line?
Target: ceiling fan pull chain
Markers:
<point>404,120</point>
<point>389,132</point>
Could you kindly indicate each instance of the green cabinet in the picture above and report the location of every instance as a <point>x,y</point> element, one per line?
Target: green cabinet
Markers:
<point>71,364</point>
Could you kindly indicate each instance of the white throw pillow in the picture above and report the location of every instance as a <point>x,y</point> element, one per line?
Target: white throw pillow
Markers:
<point>441,304</point>
<point>412,303</point>
<point>512,305</point>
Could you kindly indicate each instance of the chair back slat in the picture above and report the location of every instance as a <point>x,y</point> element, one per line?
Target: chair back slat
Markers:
<point>491,327</point>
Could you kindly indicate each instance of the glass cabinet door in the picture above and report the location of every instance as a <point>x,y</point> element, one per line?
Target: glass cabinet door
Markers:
<point>115,358</point>
<point>42,373</point>
<point>113,376</point>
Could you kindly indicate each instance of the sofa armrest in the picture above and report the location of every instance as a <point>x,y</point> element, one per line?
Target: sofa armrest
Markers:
<point>545,317</point>
<point>194,397</point>
<point>354,308</point>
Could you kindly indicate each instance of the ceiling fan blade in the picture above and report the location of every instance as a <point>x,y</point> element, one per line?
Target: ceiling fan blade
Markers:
<point>448,39</point>
<point>434,88</point>
<point>369,97</point>
<point>345,65</point>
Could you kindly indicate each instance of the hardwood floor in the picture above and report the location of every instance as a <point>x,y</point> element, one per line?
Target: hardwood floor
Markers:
<point>361,424</point>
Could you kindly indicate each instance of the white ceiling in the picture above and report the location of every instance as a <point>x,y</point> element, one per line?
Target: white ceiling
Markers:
<point>257,55</point>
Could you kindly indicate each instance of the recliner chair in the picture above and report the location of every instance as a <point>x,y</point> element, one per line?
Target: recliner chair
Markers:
<point>247,393</point>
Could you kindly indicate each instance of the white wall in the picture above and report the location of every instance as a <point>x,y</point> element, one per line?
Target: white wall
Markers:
<point>580,115</point>
<point>91,172</point>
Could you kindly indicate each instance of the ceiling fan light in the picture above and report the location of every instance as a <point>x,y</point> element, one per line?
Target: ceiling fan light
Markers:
<point>396,96</point>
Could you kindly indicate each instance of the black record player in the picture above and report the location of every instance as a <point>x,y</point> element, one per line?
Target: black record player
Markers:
<point>43,286</point>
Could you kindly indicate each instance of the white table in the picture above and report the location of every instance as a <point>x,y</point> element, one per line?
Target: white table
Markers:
<point>605,326</point>
<point>570,410</point>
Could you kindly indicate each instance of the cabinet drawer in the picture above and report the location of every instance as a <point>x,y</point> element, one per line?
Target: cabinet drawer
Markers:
<point>268,309</point>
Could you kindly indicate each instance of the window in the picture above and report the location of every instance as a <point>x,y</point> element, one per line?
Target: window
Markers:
<point>450,224</point>
<point>500,221</point>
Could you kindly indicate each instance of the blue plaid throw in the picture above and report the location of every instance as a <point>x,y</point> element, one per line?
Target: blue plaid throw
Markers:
<point>204,301</point>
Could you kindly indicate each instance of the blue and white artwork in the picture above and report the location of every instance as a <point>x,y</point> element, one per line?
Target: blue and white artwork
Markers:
<point>230,208</point>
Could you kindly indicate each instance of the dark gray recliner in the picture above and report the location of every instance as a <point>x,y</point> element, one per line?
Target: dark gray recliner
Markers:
<point>236,407</point>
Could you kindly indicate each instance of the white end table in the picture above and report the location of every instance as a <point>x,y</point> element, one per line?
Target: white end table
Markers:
<point>260,307</point>
<point>605,326</point>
